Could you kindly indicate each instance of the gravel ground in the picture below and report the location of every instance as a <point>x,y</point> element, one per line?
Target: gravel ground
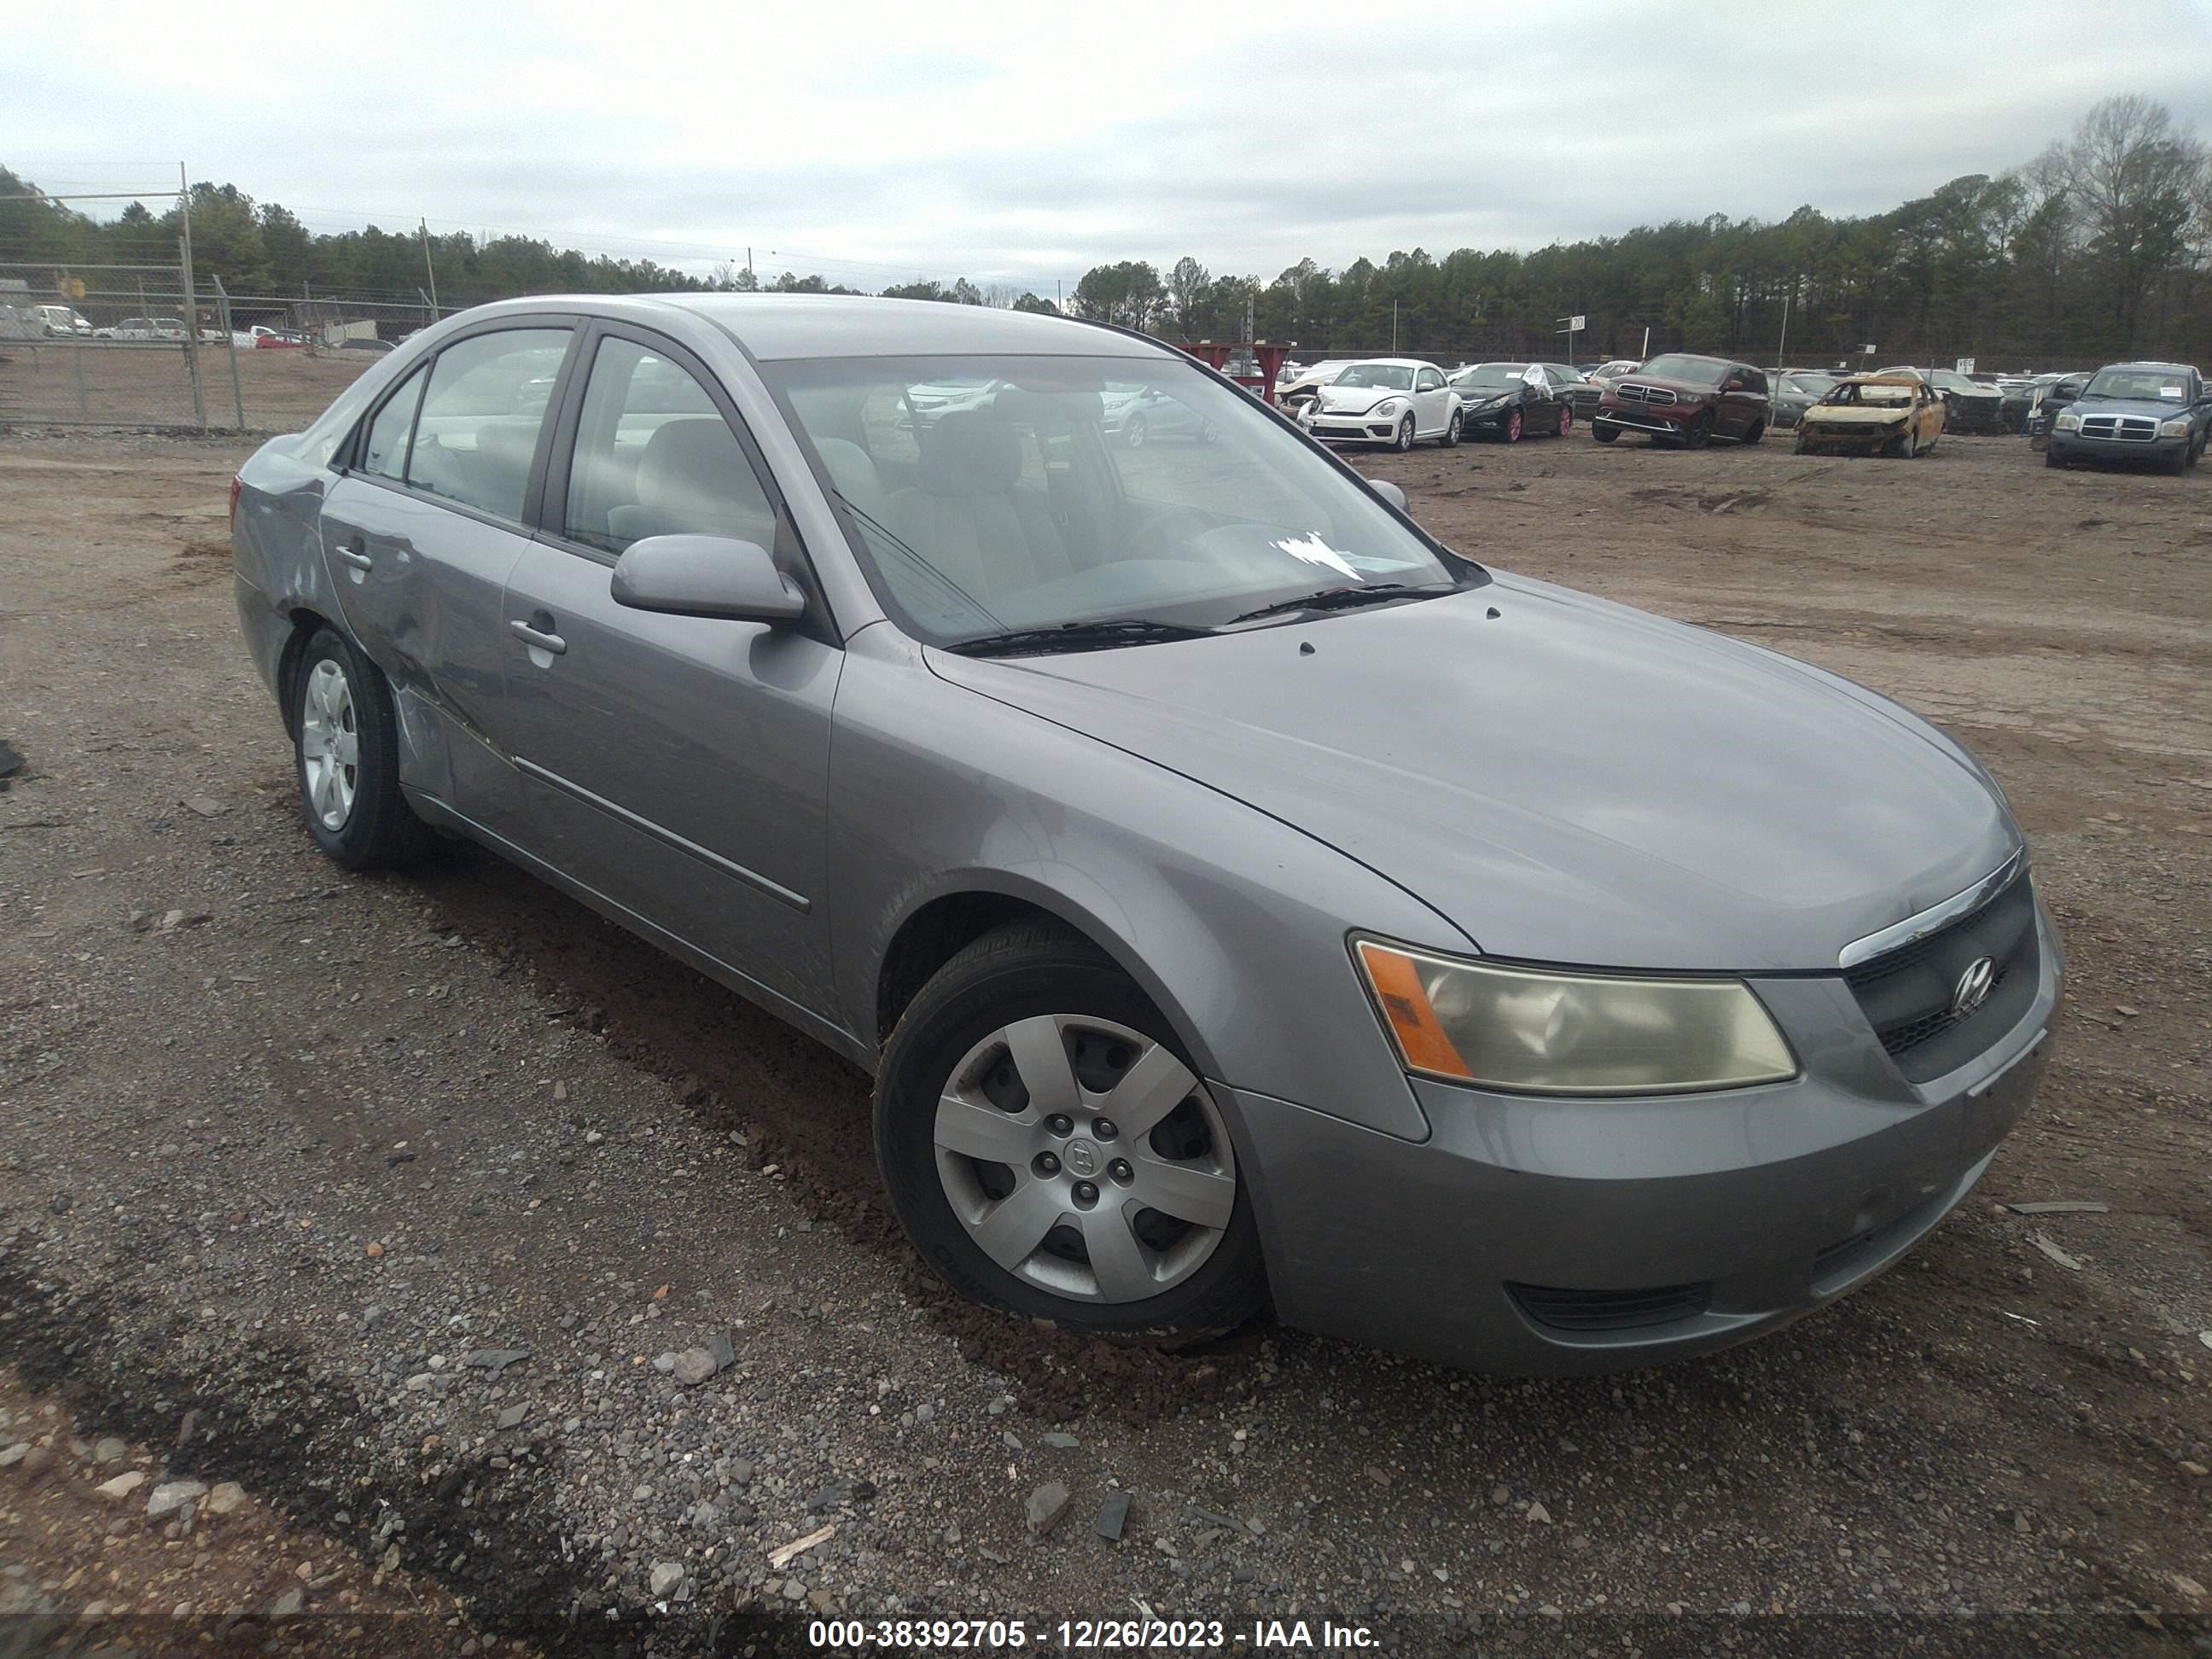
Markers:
<point>505,1256</point>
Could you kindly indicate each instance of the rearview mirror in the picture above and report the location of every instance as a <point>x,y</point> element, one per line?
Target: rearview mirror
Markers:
<point>706,576</point>
<point>1389,492</point>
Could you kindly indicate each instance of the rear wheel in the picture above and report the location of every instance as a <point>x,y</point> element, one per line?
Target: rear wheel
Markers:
<point>346,743</point>
<point>1049,1150</point>
<point>1602,433</point>
<point>1404,441</point>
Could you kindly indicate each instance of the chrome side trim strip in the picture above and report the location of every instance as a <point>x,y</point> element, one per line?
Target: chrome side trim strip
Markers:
<point>798,901</point>
<point>1933,917</point>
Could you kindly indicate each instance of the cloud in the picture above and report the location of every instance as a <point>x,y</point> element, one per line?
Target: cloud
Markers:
<point>1023,143</point>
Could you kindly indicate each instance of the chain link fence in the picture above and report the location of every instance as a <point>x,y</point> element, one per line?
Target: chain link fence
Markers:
<point>142,346</point>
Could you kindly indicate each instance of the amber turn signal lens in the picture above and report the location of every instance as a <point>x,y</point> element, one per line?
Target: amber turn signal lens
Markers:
<point>1405,1003</point>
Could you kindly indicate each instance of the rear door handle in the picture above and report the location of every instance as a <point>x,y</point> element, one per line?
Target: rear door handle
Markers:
<point>352,555</point>
<point>529,635</point>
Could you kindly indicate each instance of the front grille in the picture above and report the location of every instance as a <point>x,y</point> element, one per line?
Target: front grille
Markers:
<point>2122,429</point>
<point>1633,393</point>
<point>1908,994</point>
<point>1584,399</point>
<point>1610,1310</point>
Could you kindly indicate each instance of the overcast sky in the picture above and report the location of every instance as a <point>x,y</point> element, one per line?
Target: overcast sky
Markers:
<point>1025,143</point>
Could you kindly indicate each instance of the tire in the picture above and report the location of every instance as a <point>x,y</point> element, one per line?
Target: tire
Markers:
<point>1698,433</point>
<point>341,707</point>
<point>1133,432</point>
<point>2052,458</point>
<point>1404,441</point>
<point>1604,433</point>
<point>1758,431</point>
<point>1511,429</point>
<point>1450,439</point>
<point>1908,446</point>
<point>2179,463</point>
<point>1566,420</point>
<point>1019,1235</point>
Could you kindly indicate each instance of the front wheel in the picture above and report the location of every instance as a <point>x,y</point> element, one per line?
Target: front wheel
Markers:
<point>1604,433</point>
<point>1050,1150</point>
<point>2178,463</point>
<point>346,741</point>
<point>2052,458</point>
<point>1133,432</point>
<point>1566,420</point>
<point>1700,433</point>
<point>1758,431</point>
<point>1513,428</point>
<point>1404,441</point>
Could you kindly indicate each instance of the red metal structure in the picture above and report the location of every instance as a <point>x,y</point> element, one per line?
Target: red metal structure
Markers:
<point>1270,358</point>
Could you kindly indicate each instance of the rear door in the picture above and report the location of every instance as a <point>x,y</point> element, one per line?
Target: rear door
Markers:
<point>419,533</point>
<point>676,766</point>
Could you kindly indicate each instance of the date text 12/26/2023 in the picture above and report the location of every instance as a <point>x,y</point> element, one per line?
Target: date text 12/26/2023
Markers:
<point>1283,1636</point>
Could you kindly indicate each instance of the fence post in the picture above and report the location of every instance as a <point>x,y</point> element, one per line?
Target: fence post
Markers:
<point>191,300</point>
<point>230,345</point>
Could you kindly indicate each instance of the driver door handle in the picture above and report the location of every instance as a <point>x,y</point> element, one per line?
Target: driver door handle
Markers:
<point>544,641</point>
<point>351,553</point>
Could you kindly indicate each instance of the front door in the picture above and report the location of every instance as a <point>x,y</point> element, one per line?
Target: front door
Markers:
<point>419,533</point>
<point>1431,402</point>
<point>677,766</point>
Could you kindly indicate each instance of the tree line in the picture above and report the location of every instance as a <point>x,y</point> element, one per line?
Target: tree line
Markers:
<point>2097,249</point>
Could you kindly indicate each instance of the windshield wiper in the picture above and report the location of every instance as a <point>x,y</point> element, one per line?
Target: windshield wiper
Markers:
<point>1079,636</point>
<point>1338,598</point>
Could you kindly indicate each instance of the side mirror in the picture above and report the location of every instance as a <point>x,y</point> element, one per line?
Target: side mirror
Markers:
<point>1389,492</point>
<point>706,576</point>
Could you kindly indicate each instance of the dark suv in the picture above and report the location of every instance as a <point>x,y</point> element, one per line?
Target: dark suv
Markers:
<point>1687,400</point>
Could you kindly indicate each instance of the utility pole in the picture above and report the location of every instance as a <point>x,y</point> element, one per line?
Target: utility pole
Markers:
<point>1393,328</point>
<point>191,299</point>
<point>428,266</point>
<point>1781,351</point>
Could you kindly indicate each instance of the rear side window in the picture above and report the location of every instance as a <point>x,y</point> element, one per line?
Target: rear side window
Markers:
<point>487,401</point>
<point>384,451</point>
<point>655,458</point>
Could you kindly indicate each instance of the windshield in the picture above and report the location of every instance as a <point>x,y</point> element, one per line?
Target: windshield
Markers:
<point>1039,505</point>
<point>1384,377</point>
<point>1500,376</point>
<point>1854,393</point>
<point>1701,371</point>
<point>2148,386</point>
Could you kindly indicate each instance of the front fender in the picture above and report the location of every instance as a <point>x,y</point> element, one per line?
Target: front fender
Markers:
<point>1233,922</point>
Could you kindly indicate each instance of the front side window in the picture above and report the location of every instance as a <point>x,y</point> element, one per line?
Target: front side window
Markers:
<point>1431,380</point>
<point>384,450</point>
<point>1026,503</point>
<point>655,458</point>
<point>483,412</point>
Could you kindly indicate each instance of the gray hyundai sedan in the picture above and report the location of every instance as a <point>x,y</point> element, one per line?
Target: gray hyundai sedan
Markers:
<point>1237,896</point>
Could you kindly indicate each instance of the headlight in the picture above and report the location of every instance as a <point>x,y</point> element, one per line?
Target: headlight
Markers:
<point>1387,406</point>
<point>2176,428</point>
<point>1571,1034</point>
<point>2068,421</point>
<point>1498,403</point>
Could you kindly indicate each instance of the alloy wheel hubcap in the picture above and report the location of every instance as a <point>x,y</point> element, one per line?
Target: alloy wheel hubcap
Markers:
<point>1084,1158</point>
<point>330,744</point>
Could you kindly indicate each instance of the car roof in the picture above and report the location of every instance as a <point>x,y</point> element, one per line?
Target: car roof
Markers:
<point>782,326</point>
<point>2163,369</point>
<point>1389,362</point>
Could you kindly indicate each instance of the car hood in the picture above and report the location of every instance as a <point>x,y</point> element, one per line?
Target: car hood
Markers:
<point>1565,779</point>
<point>1475,396</point>
<point>1855,415</point>
<point>1356,399</point>
<point>2151,407</point>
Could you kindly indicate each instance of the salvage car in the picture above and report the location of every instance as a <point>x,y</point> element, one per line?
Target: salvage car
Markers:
<point>1120,812</point>
<point>1797,390</point>
<point>1968,405</point>
<point>1398,401</point>
<point>1509,401</point>
<point>1574,388</point>
<point>1685,400</point>
<point>1302,388</point>
<point>2053,393</point>
<point>1895,414</point>
<point>2154,412</point>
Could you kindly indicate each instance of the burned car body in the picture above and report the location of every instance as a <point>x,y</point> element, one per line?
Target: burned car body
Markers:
<point>1873,415</point>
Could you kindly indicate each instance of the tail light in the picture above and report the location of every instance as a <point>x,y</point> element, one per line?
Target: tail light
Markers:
<point>236,484</point>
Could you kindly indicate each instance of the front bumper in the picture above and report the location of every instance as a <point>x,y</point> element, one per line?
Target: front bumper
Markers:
<point>1513,1239</point>
<point>1355,428</point>
<point>2073,446</point>
<point>1861,440</point>
<point>1662,421</point>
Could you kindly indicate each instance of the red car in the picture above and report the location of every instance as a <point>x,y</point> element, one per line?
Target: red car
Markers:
<point>1686,400</point>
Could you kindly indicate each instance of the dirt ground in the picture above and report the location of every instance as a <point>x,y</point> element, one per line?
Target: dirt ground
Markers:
<point>308,1154</point>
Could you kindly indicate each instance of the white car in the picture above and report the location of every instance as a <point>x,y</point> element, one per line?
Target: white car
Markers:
<point>61,322</point>
<point>1398,401</point>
